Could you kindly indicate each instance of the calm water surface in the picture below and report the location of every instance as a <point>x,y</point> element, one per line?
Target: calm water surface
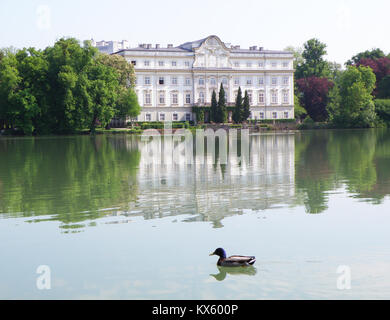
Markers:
<point>111,226</point>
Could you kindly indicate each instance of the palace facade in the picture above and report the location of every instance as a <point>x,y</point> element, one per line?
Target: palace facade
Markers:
<point>171,81</point>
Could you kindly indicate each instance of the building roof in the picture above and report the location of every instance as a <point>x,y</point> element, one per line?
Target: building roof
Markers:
<point>190,46</point>
<point>173,49</point>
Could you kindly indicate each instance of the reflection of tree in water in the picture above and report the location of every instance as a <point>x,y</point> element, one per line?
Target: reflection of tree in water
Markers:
<point>371,179</point>
<point>313,174</point>
<point>351,154</point>
<point>69,179</point>
<point>358,159</point>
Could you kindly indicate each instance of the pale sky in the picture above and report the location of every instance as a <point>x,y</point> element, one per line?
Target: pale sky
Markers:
<point>346,26</point>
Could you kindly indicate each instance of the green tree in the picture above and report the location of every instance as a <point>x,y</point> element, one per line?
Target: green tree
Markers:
<point>313,61</point>
<point>69,67</point>
<point>299,111</point>
<point>368,54</point>
<point>221,110</point>
<point>297,52</point>
<point>128,104</point>
<point>125,70</point>
<point>214,108</point>
<point>353,104</point>
<point>18,102</point>
<point>246,112</point>
<point>238,107</point>
<point>335,70</point>
<point>103,95</point>
<point>33,67</point>
<point>384,88</point>
<point>65,88</point>
<point>9,83</point>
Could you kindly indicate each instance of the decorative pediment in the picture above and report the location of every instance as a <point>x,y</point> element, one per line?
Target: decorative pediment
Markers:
<point>212,54</point>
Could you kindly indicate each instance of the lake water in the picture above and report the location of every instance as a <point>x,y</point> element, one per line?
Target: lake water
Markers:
<point>112,219</point>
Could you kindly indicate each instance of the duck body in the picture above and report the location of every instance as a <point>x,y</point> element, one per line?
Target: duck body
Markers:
<point>233,261</point>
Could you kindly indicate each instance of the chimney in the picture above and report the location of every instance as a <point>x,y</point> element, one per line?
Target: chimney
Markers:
<point>157,46</point>
<point>254,47</point>
<point>149,46</point>
<point>170,45</point>
<point>261,48</point>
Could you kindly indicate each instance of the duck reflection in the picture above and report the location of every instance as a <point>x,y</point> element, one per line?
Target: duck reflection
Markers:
<point>239,271</point>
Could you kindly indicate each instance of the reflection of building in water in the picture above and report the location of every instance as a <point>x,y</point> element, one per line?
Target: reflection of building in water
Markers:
<point>214,191</point>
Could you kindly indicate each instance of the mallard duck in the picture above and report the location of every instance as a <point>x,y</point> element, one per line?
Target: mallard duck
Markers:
<point>233,261</point>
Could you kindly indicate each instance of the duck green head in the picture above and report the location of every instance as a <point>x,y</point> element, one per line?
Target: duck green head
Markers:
<point>220,253</point>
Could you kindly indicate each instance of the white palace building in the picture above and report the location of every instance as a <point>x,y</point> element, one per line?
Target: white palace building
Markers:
<point>171,81</point>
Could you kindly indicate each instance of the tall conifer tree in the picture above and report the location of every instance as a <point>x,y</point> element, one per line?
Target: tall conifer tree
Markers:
<point>238,107</point>
<point>214,108</point>
<point>246,112</point>
<point>222,112</point>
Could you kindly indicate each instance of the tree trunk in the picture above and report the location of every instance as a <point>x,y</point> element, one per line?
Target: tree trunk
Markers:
<point>93,125</point>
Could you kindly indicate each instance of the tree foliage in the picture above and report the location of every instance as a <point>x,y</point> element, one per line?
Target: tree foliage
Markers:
<point>299,111</point>
<point>246,108</point>
<point>368,54</point>
<point>128,104</point>
<point>297,52</point>
<point>125,70</point>
<point>214,108</point>
<point>314,96</point>
<point>383,88</point>
<point>353,106</point>
<point>381,68</point>
<point>382,109</point>
<point>221,116</point>
<point>238,107</point>
<point>313,61</point>
<point>64,88</point>
<point>313,82</point>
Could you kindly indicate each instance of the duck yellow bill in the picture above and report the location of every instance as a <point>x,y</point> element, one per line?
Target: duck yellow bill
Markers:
<point>211,254</point>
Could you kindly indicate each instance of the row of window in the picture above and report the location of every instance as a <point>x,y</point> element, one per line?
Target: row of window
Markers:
<point>261,97</point>
<point>237,64</point>
<point>147,63</point>
<point>175,117</point>
<point>213,81</point>
<point>202,97</point>
<point>162,117</point>
<point>275,115</point>
<point>161,98</point>
<point>261,64</point>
